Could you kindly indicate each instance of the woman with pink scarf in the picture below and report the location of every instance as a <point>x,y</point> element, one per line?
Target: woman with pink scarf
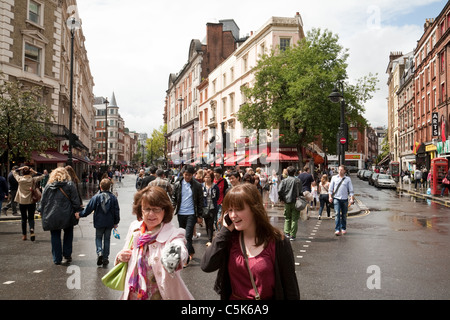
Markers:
<point>158,250</point>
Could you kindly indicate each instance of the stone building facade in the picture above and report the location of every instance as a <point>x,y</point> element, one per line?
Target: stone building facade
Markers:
<point>35,49</point>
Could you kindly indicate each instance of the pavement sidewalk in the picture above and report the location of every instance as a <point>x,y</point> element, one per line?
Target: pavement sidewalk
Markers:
<point>278,210</point>
<point>422,193</point>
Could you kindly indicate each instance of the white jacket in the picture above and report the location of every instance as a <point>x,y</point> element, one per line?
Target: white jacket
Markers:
<point>171,286</point>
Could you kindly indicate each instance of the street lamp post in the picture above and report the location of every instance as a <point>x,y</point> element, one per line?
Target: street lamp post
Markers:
<point>106,132</point>
<point>180,100</point>
<point>338,96</point>
<point>73,24</point>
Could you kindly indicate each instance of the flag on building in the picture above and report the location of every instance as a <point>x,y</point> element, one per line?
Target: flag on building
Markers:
<point>416,147</point>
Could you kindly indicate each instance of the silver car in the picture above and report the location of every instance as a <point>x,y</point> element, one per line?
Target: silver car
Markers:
<point>385,181</point>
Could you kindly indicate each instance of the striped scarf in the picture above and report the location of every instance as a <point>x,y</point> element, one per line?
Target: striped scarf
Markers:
<point>138,278</point>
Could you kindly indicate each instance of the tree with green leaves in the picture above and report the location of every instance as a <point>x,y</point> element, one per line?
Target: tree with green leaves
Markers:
<point>291,89</point>
<point>155,145</point>
<point>24,121</point>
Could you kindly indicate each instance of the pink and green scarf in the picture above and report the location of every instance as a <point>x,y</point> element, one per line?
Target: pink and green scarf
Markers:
<point>139,276</point>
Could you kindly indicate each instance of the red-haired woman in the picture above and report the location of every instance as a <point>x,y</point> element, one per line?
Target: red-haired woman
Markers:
<point>248,231</point>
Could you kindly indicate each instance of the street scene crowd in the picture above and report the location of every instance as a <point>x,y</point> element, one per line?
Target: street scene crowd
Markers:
<point>232,205</point>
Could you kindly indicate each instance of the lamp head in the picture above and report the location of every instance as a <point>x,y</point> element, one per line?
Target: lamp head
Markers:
<point>73,23</point>
<point>335,96</point>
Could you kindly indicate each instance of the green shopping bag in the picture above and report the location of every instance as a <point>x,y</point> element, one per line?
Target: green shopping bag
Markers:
<point>115,278</point>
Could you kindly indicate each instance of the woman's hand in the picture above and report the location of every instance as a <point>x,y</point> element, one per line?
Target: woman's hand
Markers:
<point>124,255</point>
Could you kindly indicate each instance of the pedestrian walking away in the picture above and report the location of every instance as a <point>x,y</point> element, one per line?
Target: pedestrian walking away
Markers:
<point>106,217</point>
<point>254,259</point>
<point>188,200</point>
<point>324,186</point>
<point>341,188</point>
<point>27,206</point>
<point>158,250</point>
<point>58,206</point>
<point>288,191</point>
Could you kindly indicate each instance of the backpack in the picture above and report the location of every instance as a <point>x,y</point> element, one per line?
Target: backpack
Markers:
<point>139,183</point>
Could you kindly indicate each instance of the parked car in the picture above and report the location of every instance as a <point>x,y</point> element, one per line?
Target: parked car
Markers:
<point>352,169</point>
<point>372,178</point>
<point>366,175</point>
<point>385,181</point>
<point>360,173</point>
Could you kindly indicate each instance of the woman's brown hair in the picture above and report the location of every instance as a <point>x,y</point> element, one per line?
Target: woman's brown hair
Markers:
<point>156,197</point>
<point>248,194</point>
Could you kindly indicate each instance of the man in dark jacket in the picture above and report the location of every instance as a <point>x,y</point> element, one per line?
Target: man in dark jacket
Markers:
<point>188,201</point>
<point>13,185</point>
<point>288,191</point>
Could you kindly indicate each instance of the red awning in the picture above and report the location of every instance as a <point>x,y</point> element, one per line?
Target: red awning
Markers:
<point>248,161</point>
<point>48,157</point>
<point>287,156</point>
<point>231,161</point>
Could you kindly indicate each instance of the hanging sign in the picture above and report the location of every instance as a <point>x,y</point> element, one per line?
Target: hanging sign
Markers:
<point>435,124</point>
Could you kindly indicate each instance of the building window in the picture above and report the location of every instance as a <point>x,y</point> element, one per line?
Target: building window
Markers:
<point>224,107</point>
<point>32,59</point>
<point>245,63</point>
<point>232,103</point>
<point>285,43</point>
<point>34,12</point>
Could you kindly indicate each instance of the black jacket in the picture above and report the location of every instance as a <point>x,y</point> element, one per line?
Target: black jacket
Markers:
<point>197,194</point>
<point>216,258</point>
<point>58,211</point>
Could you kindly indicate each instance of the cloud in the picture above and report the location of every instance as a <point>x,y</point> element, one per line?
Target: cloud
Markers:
<point>134,45</point>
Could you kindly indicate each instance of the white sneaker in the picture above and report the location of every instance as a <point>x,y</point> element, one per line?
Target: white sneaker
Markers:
<point>337,233</point>
<point>344,232</point>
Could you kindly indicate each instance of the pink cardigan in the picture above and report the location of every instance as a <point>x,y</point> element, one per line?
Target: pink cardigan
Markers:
<point>171,286</point>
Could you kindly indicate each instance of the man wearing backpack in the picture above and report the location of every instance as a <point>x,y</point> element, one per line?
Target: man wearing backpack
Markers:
<point>288,191</point>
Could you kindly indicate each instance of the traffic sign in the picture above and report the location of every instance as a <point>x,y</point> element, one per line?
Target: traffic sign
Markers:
<point>343,140</point>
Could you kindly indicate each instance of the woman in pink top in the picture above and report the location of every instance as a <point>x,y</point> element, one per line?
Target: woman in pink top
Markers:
<point>270,257</point>
<point>158,250</point>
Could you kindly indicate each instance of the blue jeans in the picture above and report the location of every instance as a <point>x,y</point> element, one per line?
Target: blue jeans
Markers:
<point>102,241</point>
<point>341,209</point>
<point>188,222</point>
<point>58,250</point>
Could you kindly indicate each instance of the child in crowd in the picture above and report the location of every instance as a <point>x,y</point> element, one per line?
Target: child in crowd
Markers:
<point>106,217</point>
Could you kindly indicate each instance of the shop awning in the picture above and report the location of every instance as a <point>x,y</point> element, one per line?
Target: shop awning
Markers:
<point>248,161</point>
<point>385,160</point>
<point>231,161</point>
<point>48,157</point>
<point>286,156</point>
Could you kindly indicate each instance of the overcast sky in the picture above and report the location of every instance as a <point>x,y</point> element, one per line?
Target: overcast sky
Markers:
<point>134,45</point>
